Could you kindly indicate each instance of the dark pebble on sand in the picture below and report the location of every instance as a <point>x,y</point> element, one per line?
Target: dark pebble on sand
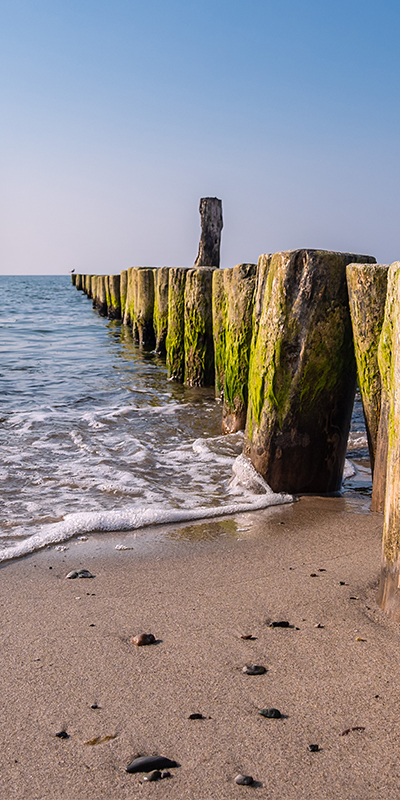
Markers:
<point>62,735</point>
<point>142,639</point>
<point>150,763</point>
<point>244,780</point>
<point>283,623</point>
<point>196,716</point>
<point>270,713</point>
<point>166,774</point>
<point>254,669</point>
<point>313,748</point>
<point>94,706</point>
<point>313,575</point>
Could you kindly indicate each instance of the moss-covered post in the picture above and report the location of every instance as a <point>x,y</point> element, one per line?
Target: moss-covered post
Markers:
<point>219,322</point>
<point>101,296</point>
<point>367,285</point>
<point>78,282</point>
<point>302,374</point>
<point>389,361</point>
<point>160,316</point>
<point>114,307</point>
<point>198,335</point>
<point>239,284</point>
<point>129,311</point>
<point>143,329</point>
<point>123,290</point>
<point>176,323</point>
<point>385,369</point>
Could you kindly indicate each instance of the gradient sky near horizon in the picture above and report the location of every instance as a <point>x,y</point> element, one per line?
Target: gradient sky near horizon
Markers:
<point>118,116</point>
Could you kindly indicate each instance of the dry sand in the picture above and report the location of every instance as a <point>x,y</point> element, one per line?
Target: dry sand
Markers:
<point>65,645</point>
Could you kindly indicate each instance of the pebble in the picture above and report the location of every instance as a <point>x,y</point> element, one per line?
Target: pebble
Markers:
<point>196,716</point>
<point>150,763</point>
<point>280,624</point>
<point>62,735</point>
<point>254,669</point>
<point>80,573</point>
<point>244,780</point>
<point>318,625</point>
<point>142,639</point>
<point>153,776</point>
<point>247,636</point>
<point>313,748</point>
<point>270,713</point>
<point>166,774</point>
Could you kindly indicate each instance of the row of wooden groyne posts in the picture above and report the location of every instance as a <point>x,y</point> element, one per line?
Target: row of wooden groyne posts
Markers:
<point>284,341</point>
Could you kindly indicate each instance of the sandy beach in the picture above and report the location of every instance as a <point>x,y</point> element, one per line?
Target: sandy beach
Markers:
<point>66,646</point>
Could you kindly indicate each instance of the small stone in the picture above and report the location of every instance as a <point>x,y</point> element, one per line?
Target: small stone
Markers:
<point>244,780</point>
<point>318,625</point>
<point>150,763</point>
<point>166,774</point>
<point>94,706</point>
<point>153,776</point>
<point>270,713</point>
<point>280,624</point>
<point>84,573</point>
<point>62,735</point>
<point>342,583</point>
<point>254,669</point>
<point>72,574</point>
<point>313,748</point>
<point>143,639</point>
<point>247,636</point>
<point>313,575</point>
<point>196,716</point>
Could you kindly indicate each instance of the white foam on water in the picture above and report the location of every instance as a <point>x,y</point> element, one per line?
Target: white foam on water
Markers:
<point>350,469</point>
<point>131,518</point>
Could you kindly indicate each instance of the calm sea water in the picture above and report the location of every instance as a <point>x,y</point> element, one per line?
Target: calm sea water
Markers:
<point>94,437</point>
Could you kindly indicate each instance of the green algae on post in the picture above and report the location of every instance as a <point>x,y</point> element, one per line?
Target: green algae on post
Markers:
<point>367,285</point>
<point>389,363</point>
<point>122,291</point>
<point>143,330</point>
<point>198,336</point>
<point>114,300</point>
<point>160,314</point>
<point>176,324</point>
<point>302,373</point>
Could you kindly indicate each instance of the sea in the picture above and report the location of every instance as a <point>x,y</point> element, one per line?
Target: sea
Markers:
<point>94,437</point>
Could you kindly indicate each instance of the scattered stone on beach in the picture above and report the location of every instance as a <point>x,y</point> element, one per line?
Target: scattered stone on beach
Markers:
<point>360,639</point>
<point>248,636</point>
<point>343,583</point>
<point>153,776</point>
<point>354,597</point>
<point>254,669</point>
<point>244,780</point>
<point>313,748</point>
<point>150,763</point>
<point>94,705</point>
<point>313,575</point>
<point>166,774</point>
<point>80,573</point>
<point>196,716</point>
<point>349,730</point>
<point>270,713</point>
<point>143,639</point>
<point>283,623</point>
<point>318,625</point>
<point>62,735</point>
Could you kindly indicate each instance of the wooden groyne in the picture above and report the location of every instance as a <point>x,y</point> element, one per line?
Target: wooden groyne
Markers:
<point>284,342</point>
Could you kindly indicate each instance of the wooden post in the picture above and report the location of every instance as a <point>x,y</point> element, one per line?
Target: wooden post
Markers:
<point>198,336</point>
<point>211,226</point>
<point>176,324</point>
<point>302,374</point>
<point>160,317</point>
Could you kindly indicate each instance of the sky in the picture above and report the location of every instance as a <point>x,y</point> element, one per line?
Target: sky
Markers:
<point>119,115</point>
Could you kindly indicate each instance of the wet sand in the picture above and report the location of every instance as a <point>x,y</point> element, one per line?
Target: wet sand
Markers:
<point>65,645</point>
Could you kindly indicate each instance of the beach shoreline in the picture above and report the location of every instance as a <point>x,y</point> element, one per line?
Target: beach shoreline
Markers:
<point>66,646</point>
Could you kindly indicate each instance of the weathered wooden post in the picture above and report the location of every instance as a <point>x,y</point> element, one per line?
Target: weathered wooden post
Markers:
<point>302,374</point>
<point>123,290</point>
<point>176,324</point>
<point>114,306</point>
<point>160,314</point>
<point>101,296</point>
<point>143,330</point>
<point>78,282</point>
<point>211,226</point>
<point>367,285</point>
<point>389,361</point>
<point>233,307</point>
<point>129,311</point>
<point>73,278</point>
<point>198,335</point>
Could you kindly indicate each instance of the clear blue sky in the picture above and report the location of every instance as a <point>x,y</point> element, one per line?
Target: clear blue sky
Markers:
<point>118,115</point>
